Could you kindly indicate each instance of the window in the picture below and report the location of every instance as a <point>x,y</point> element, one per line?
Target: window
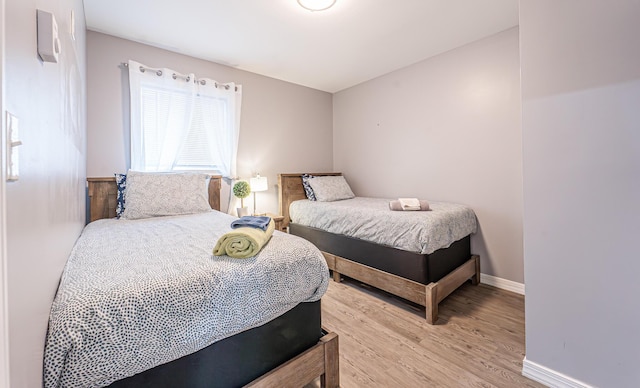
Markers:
<point>178,123</point>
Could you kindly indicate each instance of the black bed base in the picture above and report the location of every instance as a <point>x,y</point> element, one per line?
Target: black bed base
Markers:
<point>238,360</point>
<point>418,267</point>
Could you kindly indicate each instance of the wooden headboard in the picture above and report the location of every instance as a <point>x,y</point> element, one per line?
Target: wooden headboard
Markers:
<point>103,194</point>
<point>290,189</point>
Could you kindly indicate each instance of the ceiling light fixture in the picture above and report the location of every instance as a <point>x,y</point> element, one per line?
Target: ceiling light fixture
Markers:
<point>316,5</point>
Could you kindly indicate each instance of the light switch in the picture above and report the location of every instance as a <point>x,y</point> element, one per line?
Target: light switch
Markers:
<point>13,142</point>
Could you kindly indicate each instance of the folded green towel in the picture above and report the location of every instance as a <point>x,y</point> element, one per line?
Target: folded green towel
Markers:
<point>243,242</point>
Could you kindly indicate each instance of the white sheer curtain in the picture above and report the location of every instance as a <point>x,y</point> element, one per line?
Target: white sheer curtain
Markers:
<point>221,111</point>
<point>169,113</point>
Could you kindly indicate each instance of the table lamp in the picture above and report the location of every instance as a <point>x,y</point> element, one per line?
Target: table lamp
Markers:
<point>259,183</point>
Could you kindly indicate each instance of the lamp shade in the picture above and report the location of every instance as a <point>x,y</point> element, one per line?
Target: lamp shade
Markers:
<point>259,183</point>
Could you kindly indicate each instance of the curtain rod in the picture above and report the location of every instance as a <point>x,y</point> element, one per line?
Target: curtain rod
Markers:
<point>176,75</point>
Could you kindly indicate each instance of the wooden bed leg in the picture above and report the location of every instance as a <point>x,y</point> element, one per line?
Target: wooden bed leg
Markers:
<point>321,360</point>
<point>431,302</point>
<point>475,280</point>
<point>336,276</point>
<point>331,376</point>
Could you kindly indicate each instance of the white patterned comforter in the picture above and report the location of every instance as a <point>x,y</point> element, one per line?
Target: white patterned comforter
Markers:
<point>139,293</point>
<point>370,219</point>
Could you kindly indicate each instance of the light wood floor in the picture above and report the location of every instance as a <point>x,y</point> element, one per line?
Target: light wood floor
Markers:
<point>478,340</point>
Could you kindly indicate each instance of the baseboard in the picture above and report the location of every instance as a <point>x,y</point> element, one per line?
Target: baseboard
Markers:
<point>549,377</point>
<point>504,284</point>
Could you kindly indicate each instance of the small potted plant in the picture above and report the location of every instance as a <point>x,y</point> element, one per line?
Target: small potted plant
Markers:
<point>242,190</point>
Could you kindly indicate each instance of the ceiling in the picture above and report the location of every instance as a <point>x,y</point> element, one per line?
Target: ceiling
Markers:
<point>352,42</point>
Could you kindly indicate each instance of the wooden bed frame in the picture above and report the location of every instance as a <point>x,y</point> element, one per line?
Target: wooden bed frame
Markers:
<point>321,360</point>
<point>430,295</point>
<point>103,194</point>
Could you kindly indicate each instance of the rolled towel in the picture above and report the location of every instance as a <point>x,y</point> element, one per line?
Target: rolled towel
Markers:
<point>259,222</point>
<point>243,242</point>
<point>409,203</point>
<point>396,206</point>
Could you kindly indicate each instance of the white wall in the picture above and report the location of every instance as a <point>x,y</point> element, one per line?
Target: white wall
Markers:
<point>581,135</point>
<point>284,127</point>
<point>4,318</point>
<point>445,129</point>
<point>45,208</point>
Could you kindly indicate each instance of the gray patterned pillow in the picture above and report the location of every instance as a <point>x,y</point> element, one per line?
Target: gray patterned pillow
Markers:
<point>121,184</point>
<point>308,191</point>
<point>165,194</point>
<point>330,188</point>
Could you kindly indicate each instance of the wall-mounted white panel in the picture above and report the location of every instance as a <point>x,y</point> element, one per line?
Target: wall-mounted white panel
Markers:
<point>48,41</point>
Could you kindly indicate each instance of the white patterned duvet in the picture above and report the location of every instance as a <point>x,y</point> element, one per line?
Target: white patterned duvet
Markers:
<point>139,293</point>
<point>371,220</point>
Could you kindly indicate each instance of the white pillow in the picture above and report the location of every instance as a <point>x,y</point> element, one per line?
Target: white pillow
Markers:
<point>330,188</point>
<point>165,194</point>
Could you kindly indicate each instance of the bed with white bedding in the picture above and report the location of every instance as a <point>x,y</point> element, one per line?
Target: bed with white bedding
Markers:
<point>370,219</point>
<point>421,256</point>
<point>137,294</point>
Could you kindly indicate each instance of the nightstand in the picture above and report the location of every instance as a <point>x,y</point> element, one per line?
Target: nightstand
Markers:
<point>278,220</point>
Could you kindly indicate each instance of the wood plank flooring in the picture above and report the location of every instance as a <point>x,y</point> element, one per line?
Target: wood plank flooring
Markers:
<point>478,340</point>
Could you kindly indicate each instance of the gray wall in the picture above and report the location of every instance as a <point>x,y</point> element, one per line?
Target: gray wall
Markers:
<point>581,130</point>
<point>284,127</point>
<point>45,208</point>
<point>445,129</point>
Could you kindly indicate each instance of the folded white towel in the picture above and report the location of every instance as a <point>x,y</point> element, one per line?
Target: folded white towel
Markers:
<point>395,205</point>
<point>409,203</point>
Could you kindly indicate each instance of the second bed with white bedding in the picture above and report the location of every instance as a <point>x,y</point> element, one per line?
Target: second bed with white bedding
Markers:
<point>370,219</point>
